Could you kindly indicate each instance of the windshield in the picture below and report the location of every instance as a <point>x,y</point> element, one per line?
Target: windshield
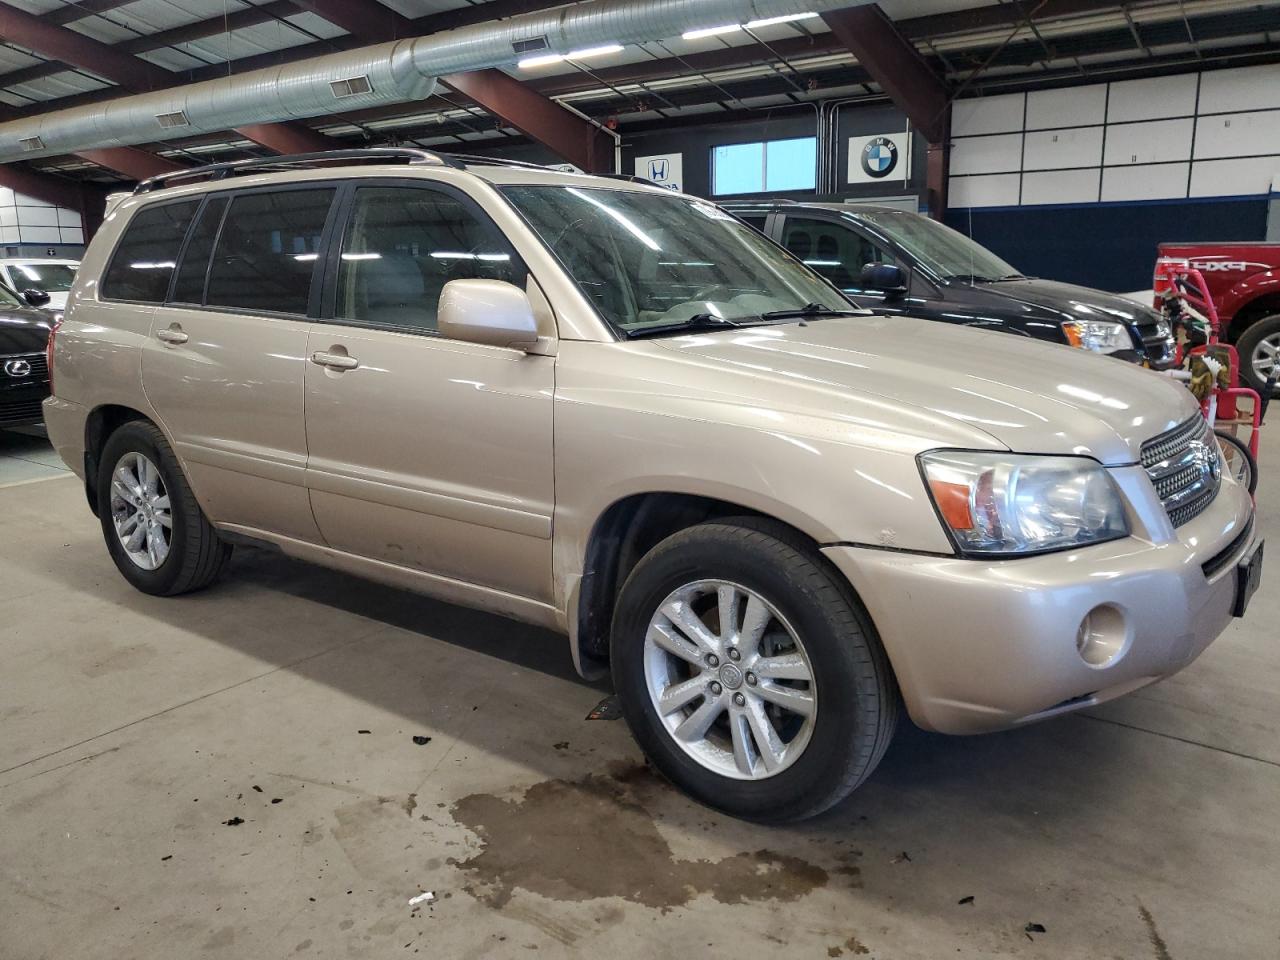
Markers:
<point>646,260</point>
<point>50,277</point>
<point>10,299</point>
<point>946,252</point>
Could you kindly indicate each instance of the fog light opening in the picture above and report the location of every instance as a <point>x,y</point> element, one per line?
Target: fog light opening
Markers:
<point>1103,636</point>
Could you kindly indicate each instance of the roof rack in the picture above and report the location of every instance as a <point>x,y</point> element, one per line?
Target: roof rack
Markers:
<point>233,168</point>
<point>476,160</point>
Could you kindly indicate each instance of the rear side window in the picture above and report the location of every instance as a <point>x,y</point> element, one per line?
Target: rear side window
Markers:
<point>189,287</point>
<point>147,253</point>
<point>267,250</point>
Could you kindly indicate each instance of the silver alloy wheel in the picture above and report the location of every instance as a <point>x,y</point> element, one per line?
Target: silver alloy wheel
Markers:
<point>1265,356</point>
<point>140,511</point>
<point>730,680</point>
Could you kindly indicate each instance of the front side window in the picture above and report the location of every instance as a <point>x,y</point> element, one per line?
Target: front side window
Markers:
<point>403,244</point>
<point>143,262</point>
<point>833,250</point>
<point>948,253</point>
<point>49,277</point>
<point>267,250</point>
<point>649,260</point>
<point>771,165</point>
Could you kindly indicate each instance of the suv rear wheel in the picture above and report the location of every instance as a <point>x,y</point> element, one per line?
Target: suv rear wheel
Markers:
<point>1259,350</point>
<point>748,673</point>
<point>155,531</point>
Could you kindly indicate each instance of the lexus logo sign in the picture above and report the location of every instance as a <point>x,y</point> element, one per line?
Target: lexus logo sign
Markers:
<point>18,368</point>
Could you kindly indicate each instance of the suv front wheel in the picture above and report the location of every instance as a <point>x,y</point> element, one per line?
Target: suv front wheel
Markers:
<point>749,674</point>
<point>155,531</point>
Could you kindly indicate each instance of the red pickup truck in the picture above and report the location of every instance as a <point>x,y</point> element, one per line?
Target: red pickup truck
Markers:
<point>1244,284</point>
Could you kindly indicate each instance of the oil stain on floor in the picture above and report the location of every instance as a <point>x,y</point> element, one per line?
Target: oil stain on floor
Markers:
<point>589,838</point>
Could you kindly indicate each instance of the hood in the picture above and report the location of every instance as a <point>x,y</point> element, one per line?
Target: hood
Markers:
<point>1070,302</point>
<point>1027,395</point>
<point>23,329</point>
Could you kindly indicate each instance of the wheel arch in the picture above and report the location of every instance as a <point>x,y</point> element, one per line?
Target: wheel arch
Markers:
<point>1250,312</point>
<point>101,422</point>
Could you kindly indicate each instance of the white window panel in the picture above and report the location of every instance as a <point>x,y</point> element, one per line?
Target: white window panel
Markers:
<point>1060,186</point>
<point>998,154</point>
<point>1238,135</point>
<point>1152,142</point>
<point>1059,149</point>
<point>72,235</point>
<point>68,218</point>
<point>1002,114</point>
<point>39,234</point>
<point>24,201</point>
<point>998,190</point>
<point>1234,178</point>
<point>9,235</point>
<point>37,216</point>
<point>6,197</point>
<point>1249,88</point>
<point>1163,181</point>
<point>1152,99</point>
<point>1070,107</point>
<point>8,216</point>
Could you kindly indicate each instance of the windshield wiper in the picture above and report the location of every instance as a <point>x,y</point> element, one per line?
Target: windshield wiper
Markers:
<point>698,323</point>
<point>812,310</point>
<point>969,278</point>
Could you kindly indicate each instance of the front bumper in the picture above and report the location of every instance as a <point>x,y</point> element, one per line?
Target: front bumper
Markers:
<point>987,645</point>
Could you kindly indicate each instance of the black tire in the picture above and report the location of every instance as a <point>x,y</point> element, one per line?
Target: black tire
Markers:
<point>858,702</point>
<point>1237,447</point>
<point>1254,334</point>
<point>196,554</point>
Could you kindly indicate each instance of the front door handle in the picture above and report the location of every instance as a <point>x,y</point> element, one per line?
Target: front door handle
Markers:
<point>335,361</point>
<point>173,334</point>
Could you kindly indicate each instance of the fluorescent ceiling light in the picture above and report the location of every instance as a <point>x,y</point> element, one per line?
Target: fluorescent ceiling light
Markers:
<point>786,18</point>
<point>710,31</point>
<point>546,59</point>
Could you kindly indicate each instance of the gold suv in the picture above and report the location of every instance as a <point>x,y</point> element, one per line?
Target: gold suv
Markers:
<point>619,412</point>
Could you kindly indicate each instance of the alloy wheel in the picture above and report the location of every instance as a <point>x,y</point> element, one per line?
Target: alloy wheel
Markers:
<point>140,511</point>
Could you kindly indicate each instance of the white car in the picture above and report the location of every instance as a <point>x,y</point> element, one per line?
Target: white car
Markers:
<point>39,273</point>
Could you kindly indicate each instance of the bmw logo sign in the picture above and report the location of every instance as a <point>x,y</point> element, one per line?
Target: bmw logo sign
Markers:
<point>879,157</point>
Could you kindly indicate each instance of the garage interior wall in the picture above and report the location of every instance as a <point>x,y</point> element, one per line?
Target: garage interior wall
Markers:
<point>1128,164</point>
<point>31,227</point>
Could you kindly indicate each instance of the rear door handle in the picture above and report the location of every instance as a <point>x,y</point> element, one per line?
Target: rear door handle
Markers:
<point>172,334</point>
<point>335,361</point>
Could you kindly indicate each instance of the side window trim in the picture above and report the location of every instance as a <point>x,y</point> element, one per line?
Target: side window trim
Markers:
<point>115,251</point>
<point>205,201</point>
<point>345,204</point>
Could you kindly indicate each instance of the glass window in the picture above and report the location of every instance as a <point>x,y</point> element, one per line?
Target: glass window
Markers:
<point>949,254</point>
<point>763,167</point>
<point>403,245</point>
<point>651,260</point>
<point>49,277</point>
<point>189,287</point>
<point>144,260</point>
<point>837,252</point>
<point>755,220</point>
<point>267,250</point>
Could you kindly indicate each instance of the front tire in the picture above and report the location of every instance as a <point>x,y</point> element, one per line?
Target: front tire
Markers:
<point>155,531</point>
<point>748,672</point>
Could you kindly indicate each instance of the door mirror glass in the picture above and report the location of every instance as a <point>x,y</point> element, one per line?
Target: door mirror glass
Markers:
<point>884,276</point>
<point>35,296</point>
<point>487,311</point>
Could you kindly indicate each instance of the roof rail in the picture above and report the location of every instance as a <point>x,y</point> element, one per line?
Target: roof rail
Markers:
<point>477,160</point>
<point>232,168</point>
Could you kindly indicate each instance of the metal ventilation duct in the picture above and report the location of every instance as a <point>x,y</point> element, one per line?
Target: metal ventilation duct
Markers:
<point>387,73</point>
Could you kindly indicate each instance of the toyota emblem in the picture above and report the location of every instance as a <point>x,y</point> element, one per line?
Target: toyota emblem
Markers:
<point>18,368</point>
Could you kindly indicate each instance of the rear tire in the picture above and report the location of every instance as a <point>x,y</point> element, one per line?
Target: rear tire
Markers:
<point>1259,350</point>
<point>836,673</point>
<point>165,547</point>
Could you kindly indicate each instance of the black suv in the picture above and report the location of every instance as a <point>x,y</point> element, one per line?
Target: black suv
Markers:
<point>24,377</point>
<point>895,261</point>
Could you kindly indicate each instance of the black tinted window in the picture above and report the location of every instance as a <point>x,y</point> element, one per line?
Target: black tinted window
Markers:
<point>143,262</point>
<point>403,245</point>
<point>189,287</point>
<point>267,250</point>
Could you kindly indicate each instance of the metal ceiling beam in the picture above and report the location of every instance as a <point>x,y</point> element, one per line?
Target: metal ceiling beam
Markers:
<point>895,64</point>
<point>566,134</point>
<point>999,15</point>
<point>288,137</point>
<point>81,9</point>
<point>128,71</point>
<point>131,161</point>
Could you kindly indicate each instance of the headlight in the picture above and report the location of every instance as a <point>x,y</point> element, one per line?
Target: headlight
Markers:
<point>1005,503</point>
<point>1103,336</point>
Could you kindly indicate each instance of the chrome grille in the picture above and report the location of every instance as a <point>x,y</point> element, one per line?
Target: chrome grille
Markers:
<point>1185,468</point>
<point>36,368</point>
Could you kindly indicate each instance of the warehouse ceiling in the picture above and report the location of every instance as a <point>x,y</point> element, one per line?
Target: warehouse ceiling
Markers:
<point>58,54</point>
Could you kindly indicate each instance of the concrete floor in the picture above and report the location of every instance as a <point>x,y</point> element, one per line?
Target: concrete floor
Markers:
<point>139,733</point>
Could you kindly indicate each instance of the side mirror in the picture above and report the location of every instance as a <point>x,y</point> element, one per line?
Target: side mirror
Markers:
<point>35,296</point>
<point>884,276</point>
<point>487,311</point>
